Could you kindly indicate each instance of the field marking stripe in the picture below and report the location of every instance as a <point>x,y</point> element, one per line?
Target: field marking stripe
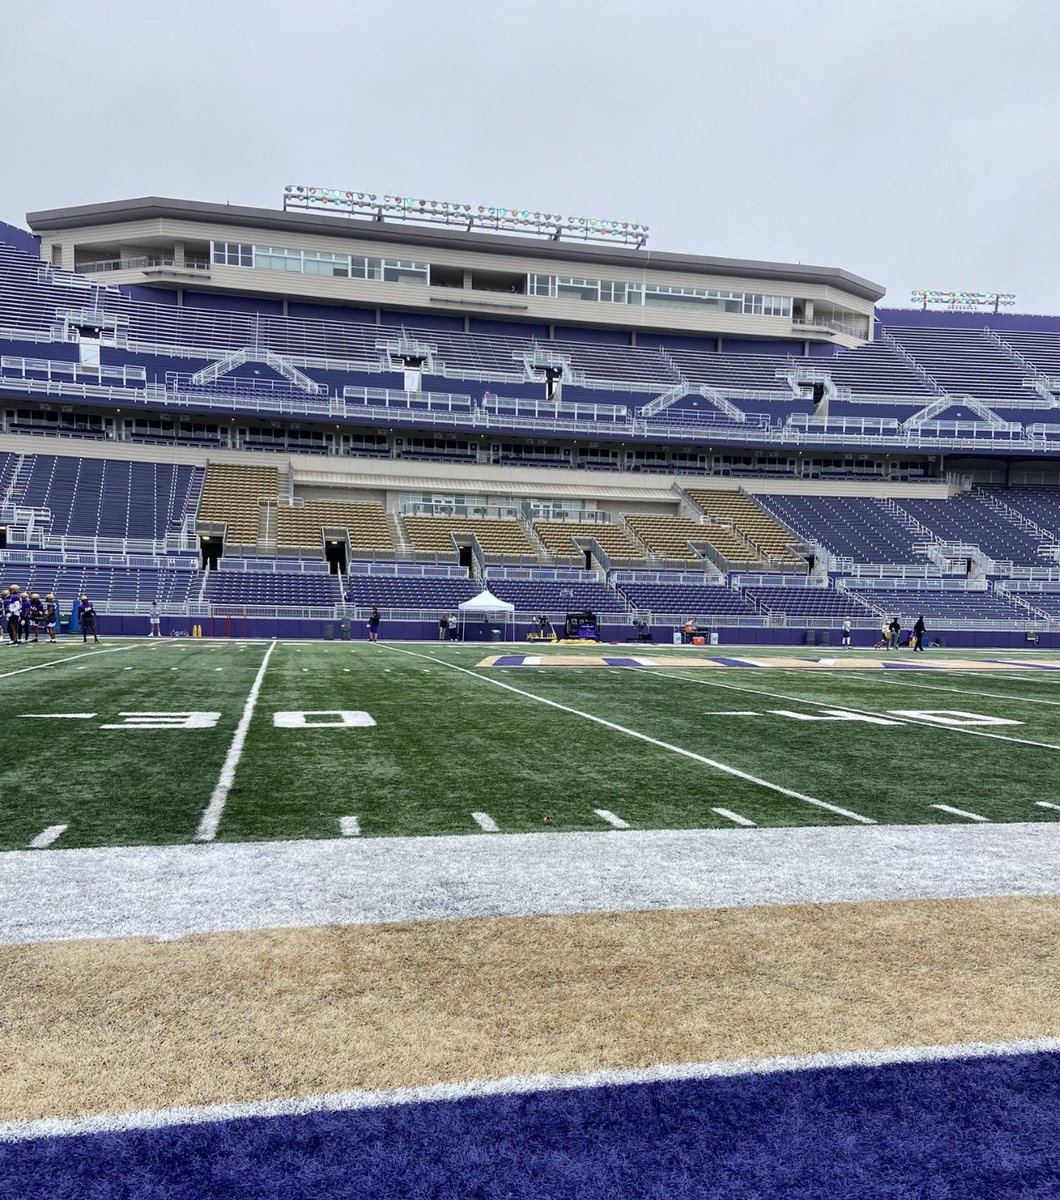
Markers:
<point>211,816</point>
<point>47,836</point>
<point>58,662</point>
<point>959,812</point>
<point>486,822</point>
<point>643,737</point>
<point>1047,804</point>
<point>904,681</point>
<point>729,815</point>
<point>48,1127</point>
<point>350,826</point>
<point>605,814</point>
<point>922,723</point>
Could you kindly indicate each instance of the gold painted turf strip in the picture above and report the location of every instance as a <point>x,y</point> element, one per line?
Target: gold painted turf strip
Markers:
<point>118,1025</point>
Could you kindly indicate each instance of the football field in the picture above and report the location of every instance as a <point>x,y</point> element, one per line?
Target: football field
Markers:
<point>176,741</point>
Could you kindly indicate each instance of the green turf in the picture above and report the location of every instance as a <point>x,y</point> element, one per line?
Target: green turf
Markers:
<point>447,744</point>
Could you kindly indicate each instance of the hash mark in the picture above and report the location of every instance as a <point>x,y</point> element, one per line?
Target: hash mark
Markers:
<point>731,816</point>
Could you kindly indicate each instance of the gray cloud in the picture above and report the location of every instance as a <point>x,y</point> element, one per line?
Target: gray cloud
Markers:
<point>912,142</point>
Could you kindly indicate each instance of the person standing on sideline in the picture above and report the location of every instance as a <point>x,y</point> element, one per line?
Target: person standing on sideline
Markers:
<point>443,627</point>
<point>373,624</point>
<point>919,629</point>
<point>155,618</point>
<point>896,633</point>
<point>87,616</point>
<point>846,631</point>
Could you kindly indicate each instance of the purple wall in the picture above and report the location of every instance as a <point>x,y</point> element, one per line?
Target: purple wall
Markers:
<point>915,317</point>
<point>21,239</point>
<point>279,627</point>
<point>331,312</point>
<point>415,320</point>
<point>746,346</point>
<point>508,329</point>
<point>240,304</point>
<point>149,295</point>
<point>609,337</point>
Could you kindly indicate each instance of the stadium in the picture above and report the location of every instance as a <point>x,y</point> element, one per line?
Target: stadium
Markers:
<point>471,754</point>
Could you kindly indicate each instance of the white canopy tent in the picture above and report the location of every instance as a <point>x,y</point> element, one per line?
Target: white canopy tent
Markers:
<point>489,609</point>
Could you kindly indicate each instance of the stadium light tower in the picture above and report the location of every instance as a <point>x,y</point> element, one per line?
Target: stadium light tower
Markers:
<point>469,216</point>
<point>962,301</point>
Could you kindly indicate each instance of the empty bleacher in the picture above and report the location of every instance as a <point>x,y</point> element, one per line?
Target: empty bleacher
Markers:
<point>680,600</point>
<point>233,494</point>
<point>666,536</point>
<point>497,537</point>
<point>108,586</point>
<point>766,537</point>
<point>433,593</point>
<point>556,596</point>
<point>942,605</point>
<point>294,589</point>
<point>558,539</point>
<point>858,527</point>
<point>965,361</point>
<point>809,602</point>
<point>300,526</point>
<point>968,518</point>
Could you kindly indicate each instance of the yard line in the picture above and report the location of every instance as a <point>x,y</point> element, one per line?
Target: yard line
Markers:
<point>350,826</point>
<point>959,812</point>
<point>46,837</point>
<point>61,716</point>
<point>211,816</point>
<point>1047,804</point>
<point>606,815</point>
<point>63,661</point>
<point>923,724</point>
<point>729,815</point>
<point>643,737</point>
<point>486,822</point>
<point>894,681</point>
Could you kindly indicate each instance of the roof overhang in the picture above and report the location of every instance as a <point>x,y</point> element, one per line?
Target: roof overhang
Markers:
<point>154,208</point>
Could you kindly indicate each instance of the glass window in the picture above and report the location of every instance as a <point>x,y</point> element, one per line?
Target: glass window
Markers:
<point>232,254</point>
<point>397,271</point>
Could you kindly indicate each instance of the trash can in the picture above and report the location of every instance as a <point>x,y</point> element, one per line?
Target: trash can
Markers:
<point>495,635</point>
<point>714,637</point>
<point>329,633</point>
<point>677,637</point>
<point>811,637</point>
<point>344,629</point>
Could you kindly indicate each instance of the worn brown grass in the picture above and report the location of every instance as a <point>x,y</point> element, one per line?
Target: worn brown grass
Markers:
<point>105,1026</point>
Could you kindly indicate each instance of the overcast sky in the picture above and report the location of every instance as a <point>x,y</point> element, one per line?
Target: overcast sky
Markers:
<point>914,142</point>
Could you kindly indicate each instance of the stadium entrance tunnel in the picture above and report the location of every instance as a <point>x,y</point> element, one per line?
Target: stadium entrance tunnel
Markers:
<point>335,551</point>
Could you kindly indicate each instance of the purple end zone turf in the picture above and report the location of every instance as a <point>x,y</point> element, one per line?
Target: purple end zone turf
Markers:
<point>973,1129</point>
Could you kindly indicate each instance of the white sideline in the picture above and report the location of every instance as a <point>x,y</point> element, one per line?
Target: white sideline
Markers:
<point>605,814</point>
<point>350,826</point>
<point>902,720</point>
<point>211,816</point>
<point>959,812</point>
<point>486,822</point>
<point>729,815</point>
<point>47,836</point>
<point>643,737</point>
<point>160,1118</point>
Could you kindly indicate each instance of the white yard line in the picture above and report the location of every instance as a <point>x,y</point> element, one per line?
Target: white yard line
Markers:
<point>729,815</point>
<point>47,836</point>
<point>605,814</point>
<point>485,822</point>
<point>903,720</point>
<point>643,737</point>
<point>1047,804</point>
<point>960,812</point>
<point>211,816</point>
<point>902,682</point>
<point>160,1118</point>
<point>59,662</point>
<point>350,826</point>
